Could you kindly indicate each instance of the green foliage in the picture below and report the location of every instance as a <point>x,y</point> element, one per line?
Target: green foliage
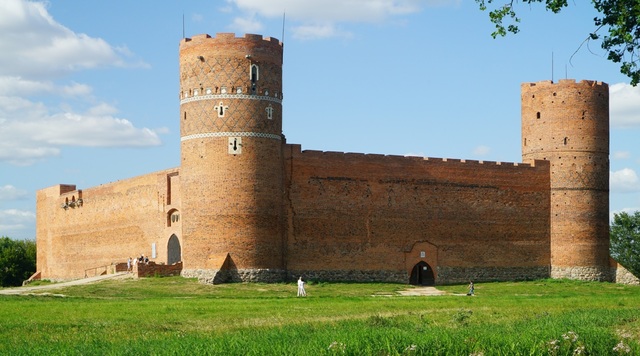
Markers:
<point>620,18</point>
<point>625,240</point>
<point>17,261</point>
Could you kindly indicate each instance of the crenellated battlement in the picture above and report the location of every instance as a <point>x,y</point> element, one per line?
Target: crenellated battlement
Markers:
<point>227,37</point>
<point>568,82</point>
<point>297,151</point>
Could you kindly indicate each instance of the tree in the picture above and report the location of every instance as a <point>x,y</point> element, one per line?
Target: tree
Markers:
<point>625,240</point>
<point>620,18</point>
<point>17,261</point>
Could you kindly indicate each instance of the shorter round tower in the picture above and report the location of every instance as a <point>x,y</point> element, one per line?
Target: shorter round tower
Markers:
<point>567,123</point>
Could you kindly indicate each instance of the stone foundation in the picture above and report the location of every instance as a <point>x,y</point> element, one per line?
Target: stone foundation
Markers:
<point>350,276</point>
<point>217,276</point>
<point>623,276</point>
<point>586,273</point>
<point>456,275</point>
<point>446,275</point>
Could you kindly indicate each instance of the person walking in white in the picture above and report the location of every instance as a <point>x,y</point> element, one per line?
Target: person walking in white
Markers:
<point>301,291</point>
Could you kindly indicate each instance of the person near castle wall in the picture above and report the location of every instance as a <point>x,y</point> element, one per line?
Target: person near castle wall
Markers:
<point>471,288</point>
<point>301,291</point>
<point>129,264</point>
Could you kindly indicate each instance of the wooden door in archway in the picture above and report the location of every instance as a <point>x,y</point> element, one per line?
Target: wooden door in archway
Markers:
<point>174,251</point>
<point>422,275</point>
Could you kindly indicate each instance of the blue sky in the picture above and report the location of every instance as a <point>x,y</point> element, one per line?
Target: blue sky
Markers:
<point>89,89</point>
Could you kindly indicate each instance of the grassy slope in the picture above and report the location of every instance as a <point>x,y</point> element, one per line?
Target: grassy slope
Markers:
<point>178,316</point>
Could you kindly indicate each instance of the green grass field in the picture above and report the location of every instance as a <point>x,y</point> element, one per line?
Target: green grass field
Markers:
<point>177,316</point>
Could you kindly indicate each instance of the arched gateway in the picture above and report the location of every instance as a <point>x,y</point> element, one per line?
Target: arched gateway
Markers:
<point>174,252</point>
<point>422,275</point>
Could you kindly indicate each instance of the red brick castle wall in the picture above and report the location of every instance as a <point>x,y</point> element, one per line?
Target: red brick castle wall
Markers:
<point>356,216</point>
<point>246,206</point>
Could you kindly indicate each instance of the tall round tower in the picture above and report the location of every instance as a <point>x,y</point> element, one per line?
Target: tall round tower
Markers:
<point>231,172</point>
<point>567,123</point>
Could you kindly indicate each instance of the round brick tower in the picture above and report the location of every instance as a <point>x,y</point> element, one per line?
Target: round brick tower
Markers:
<point>231,172</point>
<point>567,123</point>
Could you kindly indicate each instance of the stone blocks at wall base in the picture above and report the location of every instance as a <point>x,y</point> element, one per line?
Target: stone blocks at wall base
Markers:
<point>585,273</point>
<point>623,276</point>
<point>456,275</point>
<point>218,276</point>
<point>386,276</point>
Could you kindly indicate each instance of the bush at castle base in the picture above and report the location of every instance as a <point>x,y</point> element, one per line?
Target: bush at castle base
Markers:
<point>625,234</point>
<point>17,261</point>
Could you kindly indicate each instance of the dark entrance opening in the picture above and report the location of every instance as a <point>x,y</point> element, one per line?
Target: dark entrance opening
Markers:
<point>174,252</point>
<point>422,275</point>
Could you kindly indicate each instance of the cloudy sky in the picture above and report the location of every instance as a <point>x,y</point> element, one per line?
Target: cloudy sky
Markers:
<point>89,89</point>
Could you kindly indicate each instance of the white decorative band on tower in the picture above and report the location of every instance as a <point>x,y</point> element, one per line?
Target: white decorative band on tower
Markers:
<point>231,134</point>
<point>230,96</point>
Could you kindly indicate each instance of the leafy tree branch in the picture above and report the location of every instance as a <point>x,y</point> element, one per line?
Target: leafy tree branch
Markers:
<point>619,18</point>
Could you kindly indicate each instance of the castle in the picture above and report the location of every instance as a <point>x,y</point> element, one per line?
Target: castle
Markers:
<point>245,205</point>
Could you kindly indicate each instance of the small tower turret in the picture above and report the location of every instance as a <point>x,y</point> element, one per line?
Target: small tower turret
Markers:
<point>567,123</point>
<point>231,156</point>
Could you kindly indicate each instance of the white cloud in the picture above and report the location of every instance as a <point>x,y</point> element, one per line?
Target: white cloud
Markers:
<point>15,222</point>
<point>9,192</point>
<point>481,151</point>
<point>41,47</point>
<point>630,211</point>
<point>36,53</point>
<point>333,10</point>
<point>624,105</point>
<point>625,180</point>
<point>319,19</point>
<point>87,130</point>
<point>319,31</point>
<point>621,155</point>
<point>17,86</point>
<point>30,133</point>
<point>246,25</point>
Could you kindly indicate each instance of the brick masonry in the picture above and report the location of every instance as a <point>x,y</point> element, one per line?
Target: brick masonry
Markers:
<point>245,205</point>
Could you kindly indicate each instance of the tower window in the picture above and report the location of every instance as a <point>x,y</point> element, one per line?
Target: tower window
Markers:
<point>173,217</point>
<point>566,139</point>
<point>254,78</point>
<point>221,109</point>
<point>269,110</point>
<point>254,73</point>
<point>538,115</point>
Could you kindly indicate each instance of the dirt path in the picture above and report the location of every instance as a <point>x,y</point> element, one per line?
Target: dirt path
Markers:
<point>27,289</point>
<point>417,291</point>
